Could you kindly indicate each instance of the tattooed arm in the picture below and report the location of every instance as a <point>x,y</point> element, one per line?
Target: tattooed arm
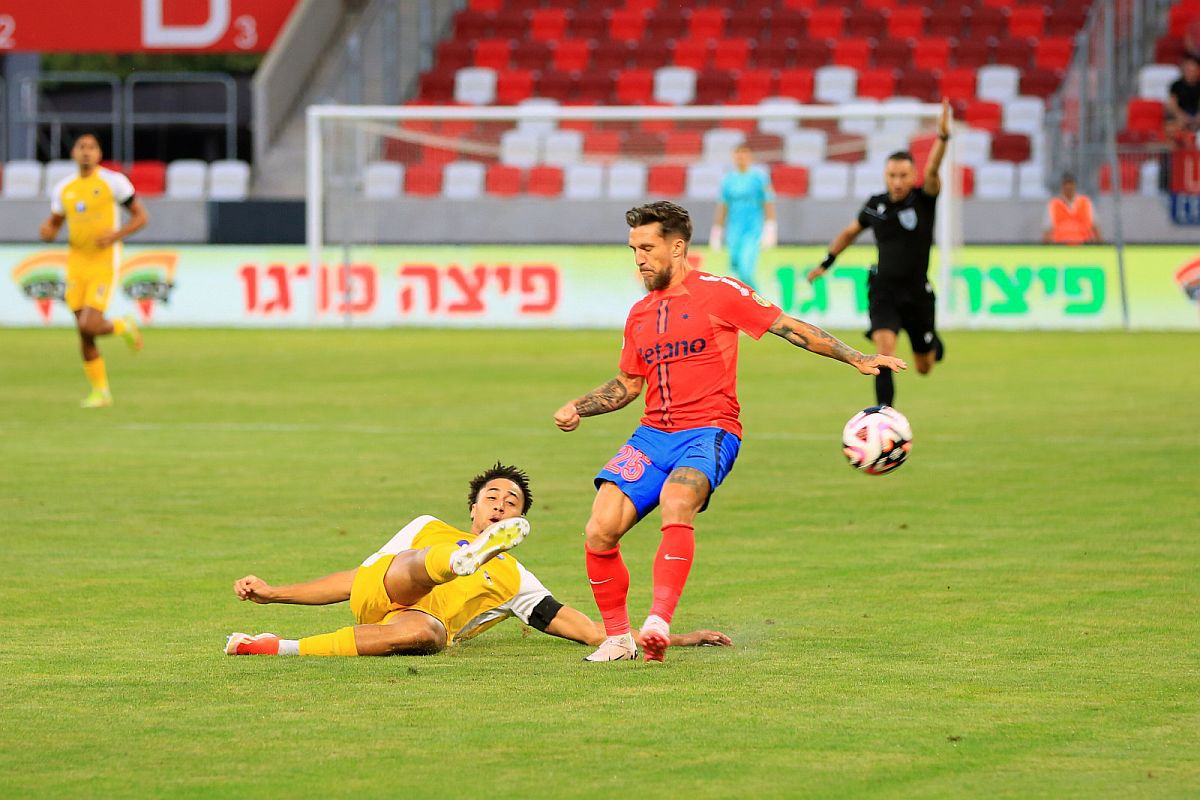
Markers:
<point>815,340</point>
<point>617,393</point>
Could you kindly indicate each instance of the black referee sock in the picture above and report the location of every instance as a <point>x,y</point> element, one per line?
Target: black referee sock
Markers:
<point>885,390</point>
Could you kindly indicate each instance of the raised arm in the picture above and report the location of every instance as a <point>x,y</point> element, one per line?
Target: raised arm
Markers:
<point>933,181</point>
<point>617,393</point>
<point>572,624</point>
<point>333,588</point>
<point>815,340</point>
<point>840,242</point>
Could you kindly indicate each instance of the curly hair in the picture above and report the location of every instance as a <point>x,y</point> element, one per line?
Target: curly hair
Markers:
<point>514,474</point>
<point>673,218</point>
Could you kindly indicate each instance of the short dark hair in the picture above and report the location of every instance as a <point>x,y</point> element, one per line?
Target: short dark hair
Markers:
<point>673,218</point>
<point>900,155</point>
<point>85,135</point>
<point>513,474</point>
<point>1068,177</point>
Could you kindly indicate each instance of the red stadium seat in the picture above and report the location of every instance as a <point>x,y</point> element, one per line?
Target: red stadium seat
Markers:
<point>846,147</point>
<point>775,53</point>
<point>1144,115</point>
<point>811,55</point>
<point>1130,176</point>
<point>513,86</point>
<point>659,127</point>
<point>797,84</point>
<point>906,22</point>
<point>973,53</point>
<point>790,180</point>
<point>919,83</point>
<point>644,144</point>
<point>635,87</point>
<point>671,19</point>
<point>149,178</point>
<point>865,22</point>
<point>572,55</point>
<point>485,5</point>
<point>984,115</point>
<point>510,23</point>
<point>454,54</point>
<point>548,24</point>
<point>947,21</point>
<point>765,146</point>
<point>787,23</point>
<point>589,23</point>
<point>627,24</point>
<point>602,143</point>
<point>826,22</point>
<point>893,53</point>
<point>1027,21</point>
<point>801,4</point>
<point>1014,52</point>
<point>437,87</point>
<point>471,26</point>
<point>502,180</point>
<point>966,181</point>
<point>493,53</point>
<point>611,54</point>
<point>931,53</point>
<point>879,83</point>
<point>641,5</point>
<point>988,22</point>
<point>852,52</point>
<point>880,5</point>
<point>1013,147</point>
<point>713,87</point>
<point>531,54</point>
<point>732,54</point>
<point>557,85</point>
<point>648,54</point>
<point>1066,19</point>
<point>684,143</point>
<point>754,85</point>
<point>1054,52</point>
<point>1040,82</point>
<point>749,25</point>
<point>1169,50</point>
<point>546,181</point>
<point>707,23</point>
<point>957,84</point>
<point>596,85</point>
<point>666,180</point>
<point>423,179</point>
<point>692,53</point>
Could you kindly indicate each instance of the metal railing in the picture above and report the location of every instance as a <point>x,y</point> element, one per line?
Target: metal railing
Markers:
<point>32,109</point>
<point>226,117</point>
<point>3,120</point>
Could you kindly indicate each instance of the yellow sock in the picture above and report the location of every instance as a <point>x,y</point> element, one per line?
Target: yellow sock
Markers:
<point>118,327</point>
<point>338,643</point>
<point>437,562</point>
<point>96,374</point>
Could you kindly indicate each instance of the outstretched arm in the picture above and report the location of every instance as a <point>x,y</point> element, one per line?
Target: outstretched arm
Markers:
<point>844,239</point>
<point>815,340</point>
<point>617,393</point>
<point>333,588</point>
<point>933,181</point>
<point>572,624</point>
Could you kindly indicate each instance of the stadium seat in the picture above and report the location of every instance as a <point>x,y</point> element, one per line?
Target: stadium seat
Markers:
<point>866,22</point>
<point>1015,53</point>
<point>546,181</point>
<point>906,22</point>
<point>626,180</point>
<point>454,54</point>
<point>974,147</point>
<point>602,143</point>
<point>966,180</point>
<point>548,24</point>
<point>826,22</point>
<point>988,22</point>
<point>675,85</point>
<point>776,53</point>
<point>957,84</point>
<point>882,144</point>
<point>1144,115</point>
<point>555,85</point>
<point>595,84</point>
<point>513,86</point>
<point>754,85</point>
<point>572,55</point>
<point>475,86</point>
<point>493,54</point>
<point>1040,82</point>
<point>812,55</point>
<point>463,180</point>
<point>228,179</point>
<point>796,84</point>
<point>471,26</point>
<point>22,179</point>
<point>1066,19</point>
<point>187,179</point>
<point>834,84</point>
<point>438,87</point>
<point>829,180</point>
<point>866,179</point>
<point>778,127</point>
<point>919,83</point>
<point>692,53</point>
<point>666,180</point>
<point>893,54</point>
<point>984,115</point>
<point>423,180</point>
<point>713,87</point>
<point>704,181</point>
<point>1154,81</point>
<point>853,52</point>
<point>994,181</point>
<point>685,144</point>
<point>879,83</point>
<point>719,144</point>
<point>1014,147</point>
<point>1149,176</point>
<point>1169,50</point>
<point>583,182</point>
<point>732,54</point>
<point>611,54</point>
<point>627,24</point>
<point>790,180</point>
<point>1130,176</point>
<point>1024,115</point>
<point>383,180</point>
<point>707,23</point>
<point>670,17</point>
<point>932,53</point>
<point>520,148</point>
<point>866,122</point>
<point>904,125</point>
<point>998,82</point>
<point>1026,22</point>
<point>589,23</point>
<point>947,22</point>
<point>750,24</point>
<point>1053,52</point>
<point>643,144</point>
<point>511,22</point>
<point>972,53</point>
<point>531,55</point>
<point>149,178</point>
<point>562,147</point>
<point>54,171</point>
<point>539,125</point>
<point>635,87</point>
<point>1031,182</point>
<point>503,180</point>
<point>648,54</point>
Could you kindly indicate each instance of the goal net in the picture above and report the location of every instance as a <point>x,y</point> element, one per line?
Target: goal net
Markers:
<point>543,173</point>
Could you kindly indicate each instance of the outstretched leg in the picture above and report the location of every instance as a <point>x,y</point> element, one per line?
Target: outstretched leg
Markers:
<point>411,633</point>
<point>885,345</point>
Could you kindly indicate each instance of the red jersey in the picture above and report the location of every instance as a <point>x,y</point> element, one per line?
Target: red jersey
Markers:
<point>684,340</point>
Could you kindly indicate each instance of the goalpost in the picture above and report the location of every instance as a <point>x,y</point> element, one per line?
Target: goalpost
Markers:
<point>355,154</point>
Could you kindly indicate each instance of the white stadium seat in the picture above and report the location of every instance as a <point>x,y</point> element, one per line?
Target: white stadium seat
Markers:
<point>626,180</point>
<point>57,170</point>
<point>778,127</point>
<point>22,179</point>
<point>882,144</point>
<point>997,82</point>
<point>383,180</point>
<point>1024,115</point>
<point>906,125</point>
<point>994,180</point>
<point>675,85</point>
<point>719,144</point>
<point>187,179</point>
<point>535,125</point>
<point>228,180</point>
<point>1154,81</point>
<point>864,125</point>
<point>704,181</point>
<point>475,86</point>
<point>867,179</point>
<point>1031,182</point>
<point>829,180</point>
<point>520,148</point>
<point>563,147</point>
<point>974,147</point>
<point>1148,177</point>
<point>463,180</point>
<point>805,146</point>
<point>583,182</point>
<point>834,84</point>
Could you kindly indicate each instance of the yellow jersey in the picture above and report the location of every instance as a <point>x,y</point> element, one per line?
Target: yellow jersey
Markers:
<point>91,207</point>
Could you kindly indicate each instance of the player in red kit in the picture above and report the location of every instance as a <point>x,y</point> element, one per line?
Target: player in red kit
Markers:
<point>681,345</point>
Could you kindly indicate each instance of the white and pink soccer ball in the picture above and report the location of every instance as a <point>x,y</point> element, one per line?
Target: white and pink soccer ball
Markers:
<point>877,440</point>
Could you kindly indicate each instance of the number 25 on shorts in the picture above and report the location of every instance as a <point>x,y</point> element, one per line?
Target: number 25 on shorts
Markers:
<point>629,463</point>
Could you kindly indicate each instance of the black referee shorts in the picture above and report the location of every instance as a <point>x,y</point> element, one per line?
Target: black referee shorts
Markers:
<point>900,307</point>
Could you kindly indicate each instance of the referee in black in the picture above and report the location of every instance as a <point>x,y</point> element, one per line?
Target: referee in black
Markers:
<point>898,290</point>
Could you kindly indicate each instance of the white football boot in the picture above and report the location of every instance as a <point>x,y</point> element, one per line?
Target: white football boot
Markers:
<point>495,539</point>
<point>616,648</point>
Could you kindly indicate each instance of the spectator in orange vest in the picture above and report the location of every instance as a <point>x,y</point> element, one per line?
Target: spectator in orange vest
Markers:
<point>1070,217</point>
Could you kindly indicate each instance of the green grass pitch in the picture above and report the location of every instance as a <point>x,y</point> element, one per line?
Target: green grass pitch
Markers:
<point>1015,613</point>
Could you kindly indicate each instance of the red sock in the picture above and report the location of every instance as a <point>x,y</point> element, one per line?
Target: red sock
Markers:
<point>671,567</point>
<point>609,578</point>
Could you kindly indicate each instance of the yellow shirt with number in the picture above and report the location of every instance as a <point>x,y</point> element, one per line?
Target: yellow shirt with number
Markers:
<point>91,206</point>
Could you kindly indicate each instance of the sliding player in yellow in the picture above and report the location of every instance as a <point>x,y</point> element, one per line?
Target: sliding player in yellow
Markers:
<point>433,585</point>
<point>89,202</point>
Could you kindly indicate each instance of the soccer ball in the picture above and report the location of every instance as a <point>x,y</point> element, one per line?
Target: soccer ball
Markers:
<point>877,440</point>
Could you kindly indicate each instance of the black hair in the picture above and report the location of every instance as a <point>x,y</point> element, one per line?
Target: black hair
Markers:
<point>1068,177</point>
<point>513,474</point>
<point>901,155</point>
<point>673,218</point>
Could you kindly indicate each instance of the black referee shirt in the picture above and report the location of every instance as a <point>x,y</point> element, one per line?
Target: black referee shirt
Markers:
<point>904,232</point>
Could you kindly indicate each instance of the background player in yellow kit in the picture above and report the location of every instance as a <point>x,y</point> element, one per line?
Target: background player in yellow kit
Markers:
<point>89,202</point>
<point>432,585</point>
